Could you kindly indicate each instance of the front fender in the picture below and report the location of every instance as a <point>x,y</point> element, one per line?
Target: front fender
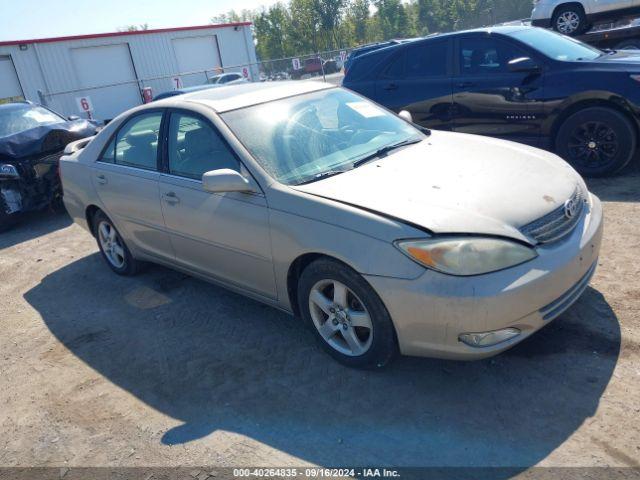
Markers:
<point>558,110</point>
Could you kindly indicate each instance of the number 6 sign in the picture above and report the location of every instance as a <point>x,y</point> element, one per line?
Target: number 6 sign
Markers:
<point>85,105</point>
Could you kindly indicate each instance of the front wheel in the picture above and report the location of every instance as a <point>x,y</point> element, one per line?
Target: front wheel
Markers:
<point>346,315</point>
<point>597,141</point>
<point>570,20</point>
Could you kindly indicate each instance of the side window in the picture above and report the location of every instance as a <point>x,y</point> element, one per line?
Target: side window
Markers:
<point>109,155</point>
<point>136,143</point>
<point>427,60</point>
<point>195,148</point>
<point>486,55</point>
<point>396,68</point>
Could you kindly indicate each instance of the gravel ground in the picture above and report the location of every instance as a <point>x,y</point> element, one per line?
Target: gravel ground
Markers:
<point>163,369</point>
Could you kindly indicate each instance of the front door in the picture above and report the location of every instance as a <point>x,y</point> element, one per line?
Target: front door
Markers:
<point>126,180</point>
<point>489,99</point>
<point>418,80</point>
<point>224,236</point>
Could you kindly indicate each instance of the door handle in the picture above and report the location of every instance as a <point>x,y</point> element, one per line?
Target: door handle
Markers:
<point>170,197</point>
<point>101,179</point>
<point>465,84</point>
<point>390,86</point>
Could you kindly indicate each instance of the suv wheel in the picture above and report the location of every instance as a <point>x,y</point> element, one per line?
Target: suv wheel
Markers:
<point>346,315</point>
<point>597,141</point>
<point>569,20</point>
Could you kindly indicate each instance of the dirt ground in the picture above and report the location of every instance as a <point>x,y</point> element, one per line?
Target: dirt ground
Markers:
<point>163,369</point>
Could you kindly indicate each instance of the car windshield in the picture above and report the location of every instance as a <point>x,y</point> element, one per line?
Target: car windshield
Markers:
<point>215,79</point>
<point>20,118</point>
<point>307,137</point>
<point>556,46</point>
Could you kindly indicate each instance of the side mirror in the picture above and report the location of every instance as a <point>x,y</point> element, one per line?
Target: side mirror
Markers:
<point>405,115</point>
<point>523,65</point>
<point>225,180</point>
<point>73,118</point>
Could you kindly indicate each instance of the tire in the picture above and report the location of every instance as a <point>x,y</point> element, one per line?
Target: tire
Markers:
<point>358,314</point>
<point>7,220</point>
<point>628,45</point>
<point>570,20</point>
<point>597,141</point>
<point>102,226</point>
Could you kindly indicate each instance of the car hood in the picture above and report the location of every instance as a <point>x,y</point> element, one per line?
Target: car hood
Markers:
<point>456,183</point>
<point>43,139</point>
<point>631,57</point>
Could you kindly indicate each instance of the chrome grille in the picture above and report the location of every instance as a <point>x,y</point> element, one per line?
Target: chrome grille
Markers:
<point>556,224</point>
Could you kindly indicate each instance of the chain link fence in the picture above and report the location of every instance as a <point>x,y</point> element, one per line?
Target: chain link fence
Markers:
<point>104,102</point>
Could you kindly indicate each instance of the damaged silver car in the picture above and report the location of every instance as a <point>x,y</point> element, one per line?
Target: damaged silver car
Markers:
<point>384,238</point>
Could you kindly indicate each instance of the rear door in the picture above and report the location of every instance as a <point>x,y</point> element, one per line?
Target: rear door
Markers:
<point>126,180</point>
<point>418,79</point>
<point>488,99</point>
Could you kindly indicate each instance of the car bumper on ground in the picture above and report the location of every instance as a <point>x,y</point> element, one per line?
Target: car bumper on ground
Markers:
<point>431,312</point>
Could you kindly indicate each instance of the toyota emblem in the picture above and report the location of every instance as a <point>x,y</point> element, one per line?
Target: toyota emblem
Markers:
<point>570,208</point>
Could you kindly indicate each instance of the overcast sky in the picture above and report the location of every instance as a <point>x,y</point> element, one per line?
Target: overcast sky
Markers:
<point>26,19</point>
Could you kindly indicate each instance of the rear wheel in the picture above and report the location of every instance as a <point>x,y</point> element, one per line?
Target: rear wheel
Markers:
<point>112,246</point>
<point>597,141</point>
<point>569,19</point>
<point>346,315</point>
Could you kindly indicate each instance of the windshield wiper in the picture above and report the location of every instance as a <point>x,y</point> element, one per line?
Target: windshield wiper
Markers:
<point>382,152</point>
<point>321,176</point>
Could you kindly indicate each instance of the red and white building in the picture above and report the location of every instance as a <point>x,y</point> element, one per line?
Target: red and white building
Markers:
<point>106,73</point>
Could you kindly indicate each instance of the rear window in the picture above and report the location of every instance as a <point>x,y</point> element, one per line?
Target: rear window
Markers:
<point>427,60</point>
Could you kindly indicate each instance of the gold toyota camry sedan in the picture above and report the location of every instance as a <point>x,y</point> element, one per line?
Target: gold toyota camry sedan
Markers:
<point>383,237</point>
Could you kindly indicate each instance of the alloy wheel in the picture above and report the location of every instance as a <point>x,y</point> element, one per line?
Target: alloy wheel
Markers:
<point>568,22</point>
<point>593,144</point>
<point>341,318</point>
<point>111,244</point>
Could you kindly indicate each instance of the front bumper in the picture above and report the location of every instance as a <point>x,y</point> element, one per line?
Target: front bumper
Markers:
<point>430,312</point>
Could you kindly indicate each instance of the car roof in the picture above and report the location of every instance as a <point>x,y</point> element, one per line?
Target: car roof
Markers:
<point>241,95</point>
<point>385,47</point>
<point>15,105</point>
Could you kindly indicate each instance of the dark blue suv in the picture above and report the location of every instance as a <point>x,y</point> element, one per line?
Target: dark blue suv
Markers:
<point>524,84</point>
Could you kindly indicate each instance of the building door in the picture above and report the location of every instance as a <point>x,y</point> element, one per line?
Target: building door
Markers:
<point>195,56</point>
<point>109,67</point>
<point>10,89</point>
<point>225,236</point>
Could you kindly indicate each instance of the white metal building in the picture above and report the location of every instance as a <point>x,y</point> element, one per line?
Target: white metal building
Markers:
<point>106,73</point>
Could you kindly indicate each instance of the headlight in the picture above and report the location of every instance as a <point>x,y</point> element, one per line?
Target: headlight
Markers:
<point>8,170</point>
<point>466,255</point>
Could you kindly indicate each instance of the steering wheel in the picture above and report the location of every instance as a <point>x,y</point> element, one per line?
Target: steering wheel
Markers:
<point>290,140</point>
